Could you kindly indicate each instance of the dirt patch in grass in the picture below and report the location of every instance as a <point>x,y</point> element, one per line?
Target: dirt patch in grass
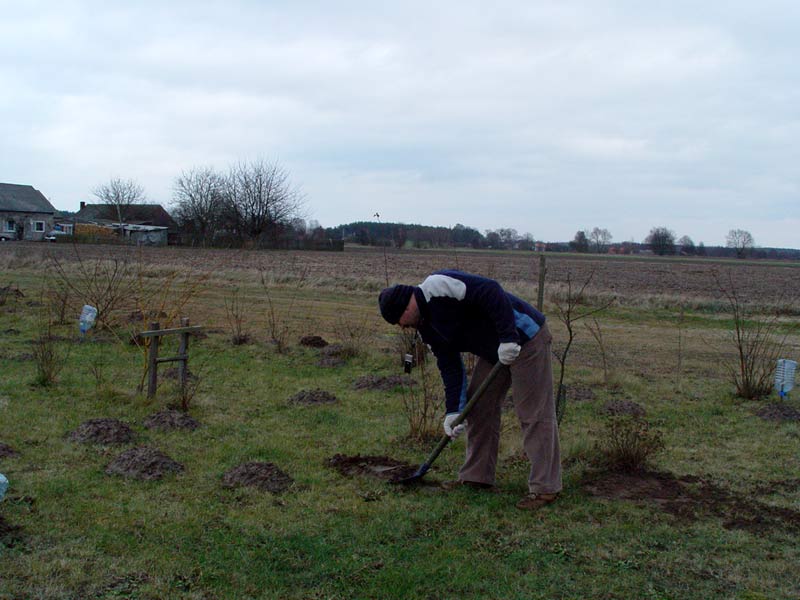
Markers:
<point>143,463</point>
<point>7,451</point>
<point>313,341</point>
<point>169,419</point>
<point>381,467</point>
<point>262,475</point>
<point>784,486</point>
<point>778,412</point>
<point>691,498</point>
<point>9,534</point>
<point>578,392</point>
<point>383,383</point>
<point>315,396</point>
<point>334,355</point>
<point>623,407</point>
<point>102,431</point>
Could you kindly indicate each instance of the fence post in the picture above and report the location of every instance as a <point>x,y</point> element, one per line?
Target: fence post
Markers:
<point>183,351</point>
<point>542,271</point>
<point>152,363</point>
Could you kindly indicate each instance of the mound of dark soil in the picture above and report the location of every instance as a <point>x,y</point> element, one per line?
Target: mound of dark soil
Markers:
<point>102,431</point>
<point>383,383</point>
<point>143,463</point>
<point>779,412</point>
<point>580,393</point>
<point>315,396</point>
<point>313,341</point>
<point>262,475</point>
<point>7,451</point>
<point>691,498</point>
<point>168,419</point>
<point>381,467</point>
<point>623,407</point>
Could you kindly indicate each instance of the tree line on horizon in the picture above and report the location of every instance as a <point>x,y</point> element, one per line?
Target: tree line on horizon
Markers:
<point>255,204</point>
<point>660,241</point>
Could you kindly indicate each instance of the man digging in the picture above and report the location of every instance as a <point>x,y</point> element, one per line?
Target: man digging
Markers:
<point>457,312</point>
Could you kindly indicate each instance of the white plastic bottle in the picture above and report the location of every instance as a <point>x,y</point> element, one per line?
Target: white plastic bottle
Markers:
<point>88,316</point>
<point>3,485</point>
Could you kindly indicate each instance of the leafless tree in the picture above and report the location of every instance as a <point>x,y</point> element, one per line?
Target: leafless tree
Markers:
<point>601,238</point>
<point>570,309</point>
<point>261,197</point>
<point>120,194</point>
<point>200,202</point>
<point>740,240</point>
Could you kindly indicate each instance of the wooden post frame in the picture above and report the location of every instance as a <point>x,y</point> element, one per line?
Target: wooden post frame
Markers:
<point>156,333</point>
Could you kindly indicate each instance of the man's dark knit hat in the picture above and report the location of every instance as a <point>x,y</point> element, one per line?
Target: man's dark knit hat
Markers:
<point>393,301</point>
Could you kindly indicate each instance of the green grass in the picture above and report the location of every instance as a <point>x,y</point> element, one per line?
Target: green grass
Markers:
<point>88,535</point>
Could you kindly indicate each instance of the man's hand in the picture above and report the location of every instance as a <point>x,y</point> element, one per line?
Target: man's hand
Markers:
<point>456,431</point>
<point>508,352</point>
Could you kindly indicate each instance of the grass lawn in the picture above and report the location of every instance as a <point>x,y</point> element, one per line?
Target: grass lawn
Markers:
<point>724,525</point>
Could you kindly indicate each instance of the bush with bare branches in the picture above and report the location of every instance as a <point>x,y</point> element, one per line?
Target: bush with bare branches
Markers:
<point>759,339</point>
<point>570,308</point>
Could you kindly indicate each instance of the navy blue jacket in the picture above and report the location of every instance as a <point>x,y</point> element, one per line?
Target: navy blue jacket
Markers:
<point>460,312</point>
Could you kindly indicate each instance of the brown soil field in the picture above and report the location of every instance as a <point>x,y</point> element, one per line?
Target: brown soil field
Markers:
<point>367,269</point>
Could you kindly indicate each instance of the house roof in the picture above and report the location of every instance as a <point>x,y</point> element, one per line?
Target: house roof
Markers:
<point>23,198</point>
<point>142,214</point>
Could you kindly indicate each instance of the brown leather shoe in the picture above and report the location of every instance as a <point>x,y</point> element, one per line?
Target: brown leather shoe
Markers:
<point>456,484</point>
<point>536,501</point>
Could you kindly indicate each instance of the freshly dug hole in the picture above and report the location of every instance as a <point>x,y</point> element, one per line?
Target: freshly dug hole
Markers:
<point>381,467</point>
<point>779,412</point>
<point>102,431</point>
<point>262,475</point>
<point>143,463</point>
<point>690,498</point>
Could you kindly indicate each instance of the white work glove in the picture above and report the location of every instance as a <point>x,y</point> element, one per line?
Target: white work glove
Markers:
<point>508,352</point>
<point>456,431</point>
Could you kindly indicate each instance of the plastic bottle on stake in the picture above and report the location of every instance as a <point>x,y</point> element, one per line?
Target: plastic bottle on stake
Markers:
<point>88,316</point>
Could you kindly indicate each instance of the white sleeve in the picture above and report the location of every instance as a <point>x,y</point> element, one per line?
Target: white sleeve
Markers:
<point>442,286</point>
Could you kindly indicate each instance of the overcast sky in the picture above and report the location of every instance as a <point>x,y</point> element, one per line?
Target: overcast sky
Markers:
<point>547,117</point>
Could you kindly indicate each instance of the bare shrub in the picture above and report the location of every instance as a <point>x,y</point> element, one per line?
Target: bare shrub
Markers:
<point>10,295</point>
<point>235,312</point>
<point>628,443</point>
<point>759,339</point>
<point>278,320</point>
<point>570,308</point>
<point>104,284</point>
<point>59,299</point>
<point>609,375</point>
<point>352,333</point>
<point>48,356</point>
<point>422,403</point>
